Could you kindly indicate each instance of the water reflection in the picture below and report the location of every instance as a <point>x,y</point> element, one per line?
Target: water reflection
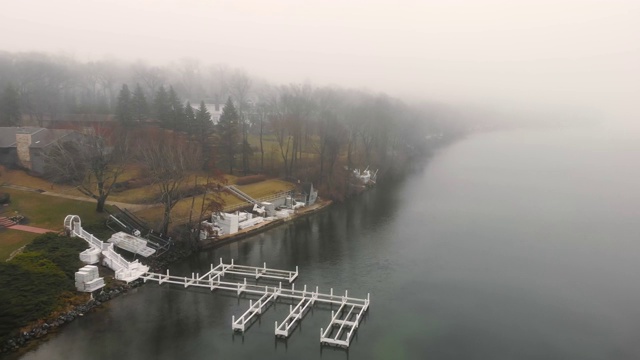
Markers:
<point>509,245</point>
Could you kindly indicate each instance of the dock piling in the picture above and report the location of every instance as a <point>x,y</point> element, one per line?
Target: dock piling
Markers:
<point>346,319</point>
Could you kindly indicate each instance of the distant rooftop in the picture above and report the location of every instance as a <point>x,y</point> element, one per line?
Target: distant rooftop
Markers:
<point>40,137</point>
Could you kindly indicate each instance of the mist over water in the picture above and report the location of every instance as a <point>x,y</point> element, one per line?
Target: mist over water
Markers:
<point>518,244</point>
<point>507,245</point>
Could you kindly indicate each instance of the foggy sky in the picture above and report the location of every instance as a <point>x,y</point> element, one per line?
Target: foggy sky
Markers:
<point>581,53</point>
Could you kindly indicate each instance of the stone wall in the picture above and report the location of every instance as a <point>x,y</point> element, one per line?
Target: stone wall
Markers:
<point>23,141</point>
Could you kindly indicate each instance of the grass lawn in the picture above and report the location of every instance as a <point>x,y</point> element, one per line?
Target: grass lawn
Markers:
<point>180,212</point>
<point>271,141</point>
<point>12,240</point>
<point>266,188</point>
<point>47,211</point>
<point>20,177</point>
<point>150,194</point>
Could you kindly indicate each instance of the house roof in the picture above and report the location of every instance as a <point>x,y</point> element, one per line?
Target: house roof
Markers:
<point>7,137</point>
<point>40,137</point>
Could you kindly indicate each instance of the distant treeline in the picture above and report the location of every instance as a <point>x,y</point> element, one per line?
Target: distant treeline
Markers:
<point>296,131</point>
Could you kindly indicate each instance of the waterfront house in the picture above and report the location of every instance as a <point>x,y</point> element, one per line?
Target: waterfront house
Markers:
<point>25,147</point>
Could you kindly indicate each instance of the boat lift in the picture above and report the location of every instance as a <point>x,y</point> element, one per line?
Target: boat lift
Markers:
<point>338,333</point>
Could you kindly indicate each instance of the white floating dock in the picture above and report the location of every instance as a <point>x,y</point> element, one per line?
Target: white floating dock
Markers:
<point>350,322</point>
<point>295,314</point>
<point>254,308</point>
<point>343,323</point>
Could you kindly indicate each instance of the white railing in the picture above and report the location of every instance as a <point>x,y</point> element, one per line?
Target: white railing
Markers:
<point>117,258</point>
<point>254,309</point>
<point>92,240</point>
<point>124,270</point>
<point>213,280</point>
<point>295,315</point>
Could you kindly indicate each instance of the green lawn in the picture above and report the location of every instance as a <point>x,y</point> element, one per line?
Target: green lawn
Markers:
<point>181,211</point>
<point>20,177</point>
<point>266,188</point>
<point>43,211</point>
<point>47,211</point>
<point>12,240</point>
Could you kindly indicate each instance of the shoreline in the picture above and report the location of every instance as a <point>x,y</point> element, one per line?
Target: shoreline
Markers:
<point>41,330</point>
<point>38,332</point>
<point>262,227</point>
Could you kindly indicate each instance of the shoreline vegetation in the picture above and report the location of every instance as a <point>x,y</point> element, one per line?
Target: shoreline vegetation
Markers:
<point>41,329</point>
<point>137,140</point>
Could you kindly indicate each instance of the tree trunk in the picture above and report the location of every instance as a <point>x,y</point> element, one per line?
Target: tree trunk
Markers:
<point>245,148</point>
<point>101,202</point>
<point>261,147</point>
<point>166,218</point>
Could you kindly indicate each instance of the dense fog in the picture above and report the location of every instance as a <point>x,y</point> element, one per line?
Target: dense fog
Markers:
<point>573,58</point>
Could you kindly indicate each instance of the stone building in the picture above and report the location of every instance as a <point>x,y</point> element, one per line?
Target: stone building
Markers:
<point>24,147</point>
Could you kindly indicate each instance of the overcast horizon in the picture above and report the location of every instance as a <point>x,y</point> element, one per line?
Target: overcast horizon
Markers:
<point>560,53</point>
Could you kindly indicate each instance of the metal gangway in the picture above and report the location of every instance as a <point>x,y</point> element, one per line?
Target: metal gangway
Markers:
<point>242,195</point>
<point>340,330</point>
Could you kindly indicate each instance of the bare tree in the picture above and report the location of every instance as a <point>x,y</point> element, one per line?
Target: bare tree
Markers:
<point>189,70</point>
<point>109,76</point>
<point>219,82</point>
<point>41,80</point>
<point>279,124</point>
<point>239,86</point>
<point>262,114</point>
<point>297,104</point>
<point>211,201</point>
<point>150,77</point>
<point>168,159</point>
<point>93,164</point>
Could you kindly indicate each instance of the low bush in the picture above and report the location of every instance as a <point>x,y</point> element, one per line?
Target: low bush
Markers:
<point>28,292</point>
<point>246,180</point>
<point>194,191</point>
<point>120,186</point>
<point>131,184</point>
<point>35,282</point>
<point>61,250</point>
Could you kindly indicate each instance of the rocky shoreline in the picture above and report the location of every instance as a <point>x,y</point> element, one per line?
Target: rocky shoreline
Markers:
<point>52,324</point>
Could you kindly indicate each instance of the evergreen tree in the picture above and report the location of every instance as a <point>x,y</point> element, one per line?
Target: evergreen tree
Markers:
<point>203,132</point>
<point>140,105</point>
<point>203,119</point>
<point>177,111</point>
<point>124,109</point>
<point>228,130</point>
<point>162,107</point>
<point>190,120</point>
<point>10,114</point>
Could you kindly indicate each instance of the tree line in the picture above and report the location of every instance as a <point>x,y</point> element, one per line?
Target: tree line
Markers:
<point>298,131</point>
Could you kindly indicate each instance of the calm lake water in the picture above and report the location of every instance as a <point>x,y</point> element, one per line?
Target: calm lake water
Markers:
<point>507,245</point>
